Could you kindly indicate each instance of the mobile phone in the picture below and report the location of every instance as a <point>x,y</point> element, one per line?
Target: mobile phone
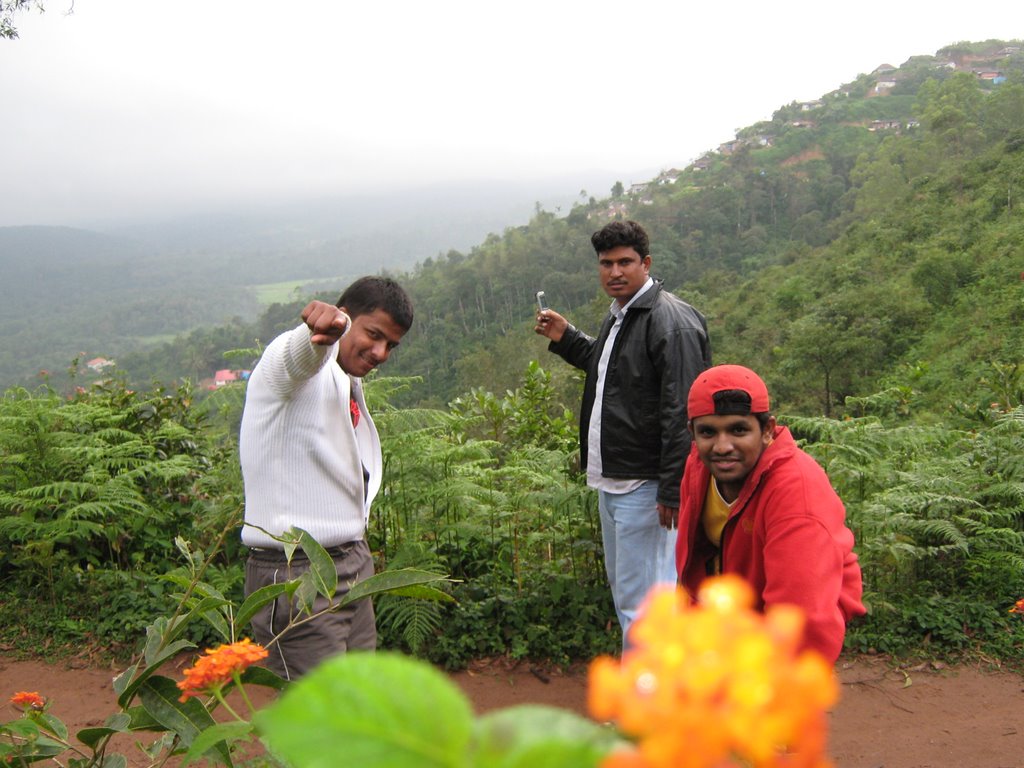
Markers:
<point>541,303</point>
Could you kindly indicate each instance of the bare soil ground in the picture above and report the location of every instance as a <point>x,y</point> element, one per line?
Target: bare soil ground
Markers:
<point>926,716</point>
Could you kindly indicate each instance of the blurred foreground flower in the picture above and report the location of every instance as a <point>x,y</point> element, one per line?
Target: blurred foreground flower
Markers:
<point>220,666</point>
<point>1018,607</point>
<point>28,701</point>
<point>708,684</point>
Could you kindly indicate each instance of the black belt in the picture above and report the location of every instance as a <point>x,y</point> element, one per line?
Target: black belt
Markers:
<point>277,555</point>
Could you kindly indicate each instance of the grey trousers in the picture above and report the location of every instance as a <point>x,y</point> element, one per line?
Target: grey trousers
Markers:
<point>306,644</point>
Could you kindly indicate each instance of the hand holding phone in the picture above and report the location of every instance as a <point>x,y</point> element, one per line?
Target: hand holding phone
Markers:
<point>541,302</point>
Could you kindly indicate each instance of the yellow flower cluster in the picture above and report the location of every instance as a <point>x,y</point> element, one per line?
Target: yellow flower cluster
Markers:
<point>219,666</point>
<point>715,684</point>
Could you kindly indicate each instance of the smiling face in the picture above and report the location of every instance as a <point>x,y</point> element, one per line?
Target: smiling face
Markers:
<point>623,272</point>
<point>369,342</point>
<point>730,446</point>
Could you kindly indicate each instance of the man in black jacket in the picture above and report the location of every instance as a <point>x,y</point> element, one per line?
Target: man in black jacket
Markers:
<point>633,435</point>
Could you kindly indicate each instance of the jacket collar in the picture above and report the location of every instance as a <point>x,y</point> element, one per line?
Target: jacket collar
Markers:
<point>783,446</point>
<point>644,300</point>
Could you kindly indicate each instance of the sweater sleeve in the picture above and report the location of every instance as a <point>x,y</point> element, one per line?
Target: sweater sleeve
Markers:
<point>291,359</point>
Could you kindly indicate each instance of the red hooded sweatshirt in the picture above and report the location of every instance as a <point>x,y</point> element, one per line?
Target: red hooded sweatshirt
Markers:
<point>786,535</point>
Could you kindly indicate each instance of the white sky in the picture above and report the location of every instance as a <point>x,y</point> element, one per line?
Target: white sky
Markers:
<point>129,107</point>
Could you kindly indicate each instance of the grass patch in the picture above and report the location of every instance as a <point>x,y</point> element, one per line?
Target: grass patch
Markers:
<point>290,290</point>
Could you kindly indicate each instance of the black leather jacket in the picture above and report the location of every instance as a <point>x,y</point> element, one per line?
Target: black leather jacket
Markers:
<point>660,349</point>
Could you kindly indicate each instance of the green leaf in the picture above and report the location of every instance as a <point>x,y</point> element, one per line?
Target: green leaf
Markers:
<point>228,733</point>
<point>321,565</point>
<point>260,598</point>
<point>141,720</point>
<point>23,728</point>
<point>168,652</point>
<point>92,736</point>
<point>119,722</point>
<point>423,592</point>
<point>389,581</point>
<point>539,737</point>
<point>123,681</point>
<point>263,676</point>
<point>52,725</point>
<point>383,710</point>
<point>306,592</point>
<point>159,695</point>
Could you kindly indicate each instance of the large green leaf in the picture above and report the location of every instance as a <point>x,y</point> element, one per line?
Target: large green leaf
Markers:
<point>321,565</point>
<point>128,682</point>
<point>377,710</point>
<point>539,737</point>
<point>263,676</point>
<point>53,725</point>
<point>159,695</point>
<point>391,581</point>
<point>260,598</point>
<point>227,733</point>
<point>119,722</point>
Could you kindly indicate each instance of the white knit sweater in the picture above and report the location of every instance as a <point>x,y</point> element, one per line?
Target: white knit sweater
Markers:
<point>302,460</point>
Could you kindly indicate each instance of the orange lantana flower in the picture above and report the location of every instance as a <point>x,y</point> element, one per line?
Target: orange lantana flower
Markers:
<point>714,684</point>
<point>27,700</point>
<point>1018,607</point>
<point>219,666</point>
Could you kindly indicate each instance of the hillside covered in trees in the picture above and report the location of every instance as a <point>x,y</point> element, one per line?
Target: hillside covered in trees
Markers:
<point>868,240</point>
<point>865,241</point>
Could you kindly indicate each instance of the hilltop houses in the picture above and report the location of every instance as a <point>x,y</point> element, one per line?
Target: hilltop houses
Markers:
<point>99,364</point>
<point>223,378</point>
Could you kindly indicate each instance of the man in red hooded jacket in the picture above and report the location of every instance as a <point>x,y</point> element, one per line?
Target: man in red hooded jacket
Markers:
<point>754,504</point>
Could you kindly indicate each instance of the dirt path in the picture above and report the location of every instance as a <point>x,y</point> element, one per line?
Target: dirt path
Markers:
<point>924,717</point>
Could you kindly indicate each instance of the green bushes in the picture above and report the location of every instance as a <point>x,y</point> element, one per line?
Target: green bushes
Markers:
<point>94,489</point>
<point>937,513</point>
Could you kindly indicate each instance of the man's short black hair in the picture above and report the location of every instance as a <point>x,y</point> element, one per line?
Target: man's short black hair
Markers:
<point>369,293</point>
<point>736,402</point>
<point>622,233</point>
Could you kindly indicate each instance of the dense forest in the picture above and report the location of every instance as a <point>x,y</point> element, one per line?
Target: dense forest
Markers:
<point>862,251</point>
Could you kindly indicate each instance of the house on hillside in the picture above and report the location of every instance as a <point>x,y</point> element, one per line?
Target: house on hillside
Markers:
<point>99,364</point>
<point>225,376</point>
<point>883,69</point>
<point>703,162</point>
<point>884,86</point>
<point>668,177</point>
<point>807,106</point>
<point>885,125</point>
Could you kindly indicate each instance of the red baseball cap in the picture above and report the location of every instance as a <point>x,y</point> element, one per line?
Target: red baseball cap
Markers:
<point>701,401</point>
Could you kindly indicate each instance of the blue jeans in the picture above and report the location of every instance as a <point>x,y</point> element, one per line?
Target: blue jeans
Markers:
<point>638,552</point>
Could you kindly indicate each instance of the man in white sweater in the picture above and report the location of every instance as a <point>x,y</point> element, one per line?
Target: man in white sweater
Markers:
<point>311,458</point>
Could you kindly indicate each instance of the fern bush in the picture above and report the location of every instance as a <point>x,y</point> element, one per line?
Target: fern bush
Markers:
<point>95,486</point>
<point>938,514</point>
<point>93,489</point>
<point>487,493</point>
